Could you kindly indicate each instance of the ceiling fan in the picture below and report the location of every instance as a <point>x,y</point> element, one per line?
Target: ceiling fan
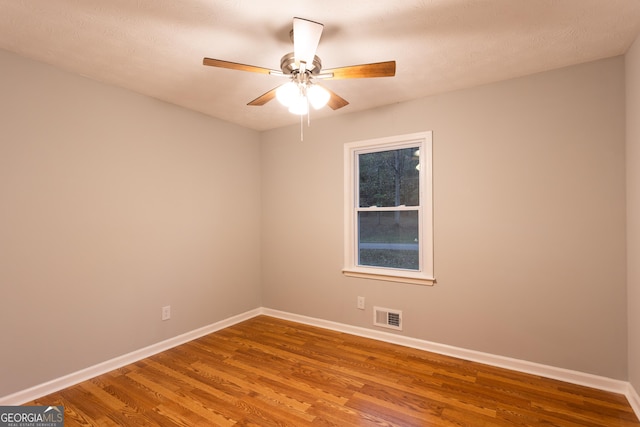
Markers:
<point>302,66</point>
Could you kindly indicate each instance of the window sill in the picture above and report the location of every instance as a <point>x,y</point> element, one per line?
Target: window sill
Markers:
<point>413,280</point>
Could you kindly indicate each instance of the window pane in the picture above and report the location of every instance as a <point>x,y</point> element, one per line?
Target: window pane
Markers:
<point>389,178</point>
<point>388,239</point>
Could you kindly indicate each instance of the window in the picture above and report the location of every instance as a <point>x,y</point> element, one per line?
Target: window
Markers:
<point>388,209</point>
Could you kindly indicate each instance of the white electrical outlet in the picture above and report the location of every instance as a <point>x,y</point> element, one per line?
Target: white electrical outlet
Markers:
<point>166,312</point>
<point>360,303</point>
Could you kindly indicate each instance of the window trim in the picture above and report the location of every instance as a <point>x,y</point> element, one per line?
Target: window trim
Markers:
<point>425,275</point>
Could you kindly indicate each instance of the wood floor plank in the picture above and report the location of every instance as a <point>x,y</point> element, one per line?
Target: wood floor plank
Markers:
<point>271,372</point>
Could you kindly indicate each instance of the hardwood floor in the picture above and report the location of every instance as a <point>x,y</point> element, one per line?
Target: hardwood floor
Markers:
<point>271,372</point>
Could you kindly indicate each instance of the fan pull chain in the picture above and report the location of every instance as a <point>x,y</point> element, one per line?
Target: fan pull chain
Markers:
<point>308,119</point>
<point>301,130</point>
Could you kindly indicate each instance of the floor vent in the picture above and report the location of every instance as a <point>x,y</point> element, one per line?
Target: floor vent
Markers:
<point>387,318</point>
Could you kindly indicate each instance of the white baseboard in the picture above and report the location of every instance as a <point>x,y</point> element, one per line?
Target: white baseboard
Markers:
<point>574,377</point>
<point>52,386</point>
<point>634,400</point>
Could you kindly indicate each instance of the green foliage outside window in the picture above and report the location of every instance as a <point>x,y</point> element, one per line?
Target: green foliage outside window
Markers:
<point>389,178</point>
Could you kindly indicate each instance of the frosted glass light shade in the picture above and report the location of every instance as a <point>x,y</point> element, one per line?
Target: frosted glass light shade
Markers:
<point>287,93</point>
<point>318,96</point>
<point>299,106</point>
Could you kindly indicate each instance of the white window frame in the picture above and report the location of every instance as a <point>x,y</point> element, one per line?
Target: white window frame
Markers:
<point>424,275</point>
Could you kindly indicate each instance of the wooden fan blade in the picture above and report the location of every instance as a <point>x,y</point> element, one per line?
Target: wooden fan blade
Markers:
<point>264,98</point>
<point>378,69</point>
<point>235,66</point>
<point>336,101</point>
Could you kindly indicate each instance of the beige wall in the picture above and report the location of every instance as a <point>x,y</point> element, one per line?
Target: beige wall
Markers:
<point>529,212</point>
<point>632,63</point>
<point>111,206</point>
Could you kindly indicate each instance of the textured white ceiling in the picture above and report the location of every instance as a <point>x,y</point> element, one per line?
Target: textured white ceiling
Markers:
<point>155,47</point>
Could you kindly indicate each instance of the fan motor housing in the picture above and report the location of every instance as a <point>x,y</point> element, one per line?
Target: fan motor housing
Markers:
<point>288,64</point>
